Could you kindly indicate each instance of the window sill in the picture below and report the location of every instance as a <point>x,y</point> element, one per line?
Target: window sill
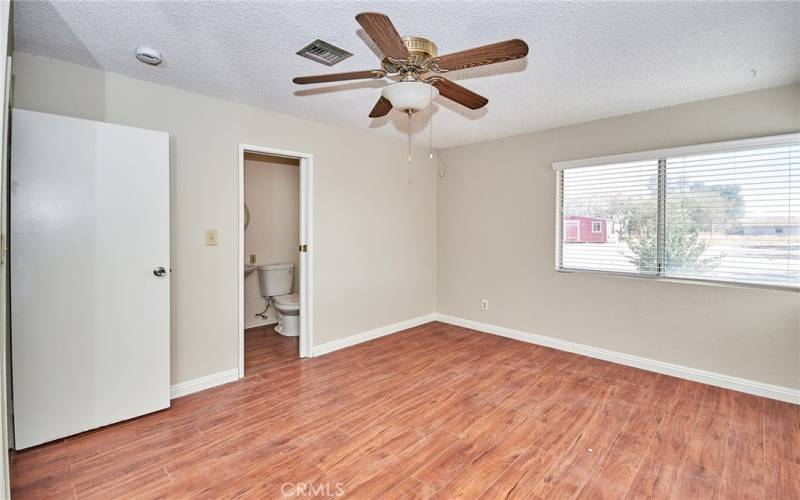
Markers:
<point>723,284</point>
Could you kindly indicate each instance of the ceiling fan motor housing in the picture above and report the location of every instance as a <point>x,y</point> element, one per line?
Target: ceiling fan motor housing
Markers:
<point>421,51</point>
<point>421,47</point>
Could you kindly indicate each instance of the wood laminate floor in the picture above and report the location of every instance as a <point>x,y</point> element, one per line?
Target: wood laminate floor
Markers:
<point>435,411</point>
<point>266,350</point>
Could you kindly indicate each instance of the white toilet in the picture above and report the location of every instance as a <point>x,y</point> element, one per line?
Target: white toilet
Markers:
<point>275,283</point>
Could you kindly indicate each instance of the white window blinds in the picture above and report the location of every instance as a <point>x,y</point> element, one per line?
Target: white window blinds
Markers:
<point>622,197</point>
<point>720,212</point>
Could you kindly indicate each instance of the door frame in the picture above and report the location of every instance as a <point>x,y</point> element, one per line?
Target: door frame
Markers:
<point>6,408</point>
<point>306,281</point>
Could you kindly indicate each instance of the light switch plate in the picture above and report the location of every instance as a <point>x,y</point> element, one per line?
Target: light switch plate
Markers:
<point>212,237</point>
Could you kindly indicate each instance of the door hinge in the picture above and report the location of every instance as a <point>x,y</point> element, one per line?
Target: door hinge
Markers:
<point>304,248</point>
<point>3,248</point>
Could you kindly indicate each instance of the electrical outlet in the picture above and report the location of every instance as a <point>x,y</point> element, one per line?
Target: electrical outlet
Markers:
<point>484,305</point>
<point>212,237</point>
<point>252,258</point>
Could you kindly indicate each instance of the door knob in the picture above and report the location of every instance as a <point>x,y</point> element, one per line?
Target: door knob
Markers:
<point>160,271</point>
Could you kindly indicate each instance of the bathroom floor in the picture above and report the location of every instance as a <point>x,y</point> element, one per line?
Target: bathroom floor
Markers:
<point>265,350</point>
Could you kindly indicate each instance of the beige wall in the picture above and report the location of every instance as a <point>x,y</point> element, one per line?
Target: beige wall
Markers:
<point>374,212</point>
<point>272,195</point>
<point>375,227</point>
<point>496,225</point>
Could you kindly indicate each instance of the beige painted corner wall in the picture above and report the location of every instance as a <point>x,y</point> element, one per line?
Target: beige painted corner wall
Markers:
<point>272,195</point>
<point>495,240</point>
<point>374,212</point>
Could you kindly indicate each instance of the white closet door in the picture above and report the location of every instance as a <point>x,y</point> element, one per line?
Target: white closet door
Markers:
<point>90,317</point>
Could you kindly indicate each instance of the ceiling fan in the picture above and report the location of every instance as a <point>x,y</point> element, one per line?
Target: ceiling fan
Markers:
<point>416,62</point>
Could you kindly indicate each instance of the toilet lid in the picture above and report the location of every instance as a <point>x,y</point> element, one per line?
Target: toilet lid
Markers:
<point>288,300</point>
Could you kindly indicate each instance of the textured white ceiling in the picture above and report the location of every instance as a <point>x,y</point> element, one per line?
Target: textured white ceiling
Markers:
<point>587,60</point>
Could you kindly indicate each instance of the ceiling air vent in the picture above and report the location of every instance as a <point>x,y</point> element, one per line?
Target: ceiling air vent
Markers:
<point>324,53</point>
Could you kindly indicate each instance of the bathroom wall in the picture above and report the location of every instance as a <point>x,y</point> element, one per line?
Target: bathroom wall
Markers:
<point>374,211</point>
<point>272,195</point>
<point>496,240</point>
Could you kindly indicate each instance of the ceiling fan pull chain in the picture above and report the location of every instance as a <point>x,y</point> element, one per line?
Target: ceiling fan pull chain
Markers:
<point>410,158</point>
<point>430,125</point>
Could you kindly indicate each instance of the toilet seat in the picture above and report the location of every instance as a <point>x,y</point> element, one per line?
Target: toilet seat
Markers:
<point>287,303</point>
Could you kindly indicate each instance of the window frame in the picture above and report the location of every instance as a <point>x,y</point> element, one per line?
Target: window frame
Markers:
<point>661,155</point>
<point>599,227</point>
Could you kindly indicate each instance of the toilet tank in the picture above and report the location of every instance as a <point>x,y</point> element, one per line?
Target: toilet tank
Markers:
<point>275,279</point>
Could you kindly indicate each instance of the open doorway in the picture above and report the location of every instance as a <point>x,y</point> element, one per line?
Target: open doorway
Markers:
<point>275,326</point>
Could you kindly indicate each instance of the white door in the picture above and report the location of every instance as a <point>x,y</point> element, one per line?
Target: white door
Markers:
<point>89,301</point>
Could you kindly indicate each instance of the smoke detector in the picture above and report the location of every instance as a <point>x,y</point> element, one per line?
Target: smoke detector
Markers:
<point>148,56</point>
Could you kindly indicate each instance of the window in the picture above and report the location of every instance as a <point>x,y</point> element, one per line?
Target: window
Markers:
<point>726,212</point>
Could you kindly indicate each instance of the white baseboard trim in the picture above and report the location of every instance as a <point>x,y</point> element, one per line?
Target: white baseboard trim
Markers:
<point>358,338</point>
<point>202,383</point>
<point>716,379</point>
<point>215,379</point>
<point>258,325</point>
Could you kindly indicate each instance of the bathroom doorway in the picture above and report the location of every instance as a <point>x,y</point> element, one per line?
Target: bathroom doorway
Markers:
<point>275,264</point>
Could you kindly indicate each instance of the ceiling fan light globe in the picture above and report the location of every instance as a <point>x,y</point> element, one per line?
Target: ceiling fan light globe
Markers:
<point>409,95</point>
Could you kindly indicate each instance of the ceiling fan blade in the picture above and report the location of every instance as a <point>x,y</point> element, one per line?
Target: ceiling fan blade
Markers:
<point>382,108</point>
<point>481,56</point>
<point>459,94</point>
<point>338,77</point>
<point>381,30</point>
